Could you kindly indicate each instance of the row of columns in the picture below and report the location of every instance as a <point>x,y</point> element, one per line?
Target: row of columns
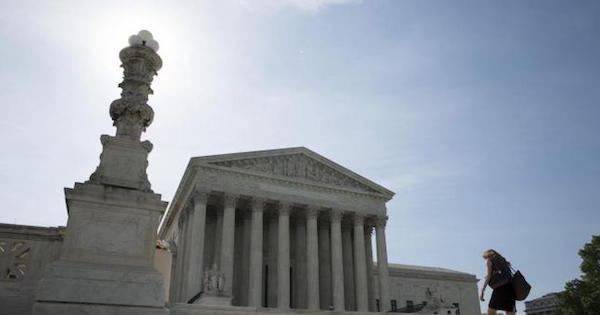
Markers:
<point>192,244</point>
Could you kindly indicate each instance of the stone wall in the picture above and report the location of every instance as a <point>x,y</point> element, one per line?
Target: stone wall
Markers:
<point>413,285</point>
<point>24,253</point>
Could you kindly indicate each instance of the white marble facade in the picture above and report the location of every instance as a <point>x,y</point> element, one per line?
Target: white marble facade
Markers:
<point>286,229</point>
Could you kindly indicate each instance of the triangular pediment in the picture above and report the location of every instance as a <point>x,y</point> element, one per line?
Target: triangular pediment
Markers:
<point>296,163</point>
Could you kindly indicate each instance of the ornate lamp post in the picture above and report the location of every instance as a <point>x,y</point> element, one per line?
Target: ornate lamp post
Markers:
<point>106,265</point>
<point>124,158</point>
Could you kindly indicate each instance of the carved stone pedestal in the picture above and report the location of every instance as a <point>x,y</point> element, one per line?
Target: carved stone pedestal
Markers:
<point>107,261</point>
<point>123,163</point>
<point>107,255</point>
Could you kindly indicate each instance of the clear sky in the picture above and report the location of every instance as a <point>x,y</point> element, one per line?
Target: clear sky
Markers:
<point>482,116</point>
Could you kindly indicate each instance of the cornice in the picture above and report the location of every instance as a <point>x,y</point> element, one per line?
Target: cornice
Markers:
<point>428,274</point>
<point>28,232</point>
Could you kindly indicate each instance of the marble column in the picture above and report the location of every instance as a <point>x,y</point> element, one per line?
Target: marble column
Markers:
<point>298,264</point>
<point>181,253</point>
<point>312,256</point>
<point>360,276</point>
<point>197,234</point>
<point>272,244</point>
<point>256,254</point>
<point>227,241</point>
<point>382,265</point>
<point>246,252</point>
<point>325,300</point>
<point>195,238</point>
<point>347,257</point>
<point>283,258</point>
<point>369,268</point>
<point>186,251</point>
<point>218,237</point>
<point>337,263</point>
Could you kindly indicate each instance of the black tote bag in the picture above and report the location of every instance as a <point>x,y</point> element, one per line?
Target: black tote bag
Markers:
<point>520,286</point>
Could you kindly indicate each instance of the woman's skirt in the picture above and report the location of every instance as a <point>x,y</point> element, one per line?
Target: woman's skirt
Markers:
<point>503,298</point>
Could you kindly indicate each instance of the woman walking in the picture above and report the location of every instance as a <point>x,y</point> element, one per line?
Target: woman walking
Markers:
<point>503,296</point>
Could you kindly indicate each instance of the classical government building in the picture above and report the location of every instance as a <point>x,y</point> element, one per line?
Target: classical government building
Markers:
<point>277,231</point>
<point>544,305</point>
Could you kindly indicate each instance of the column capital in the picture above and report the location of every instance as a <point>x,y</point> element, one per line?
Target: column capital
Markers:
<point>187,209</point>
<point>381,220</point>
<point>285,208</point>
<point>312,212</point>
<point>370,220</point>
<point>359,219</point>
<point>183,215</point>
<point>336,214</point>
<point>258,204</point>
<point>230,200</point>
<point>200,197</point>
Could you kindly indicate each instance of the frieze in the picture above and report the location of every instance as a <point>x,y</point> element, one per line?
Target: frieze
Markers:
<point>351,196</point>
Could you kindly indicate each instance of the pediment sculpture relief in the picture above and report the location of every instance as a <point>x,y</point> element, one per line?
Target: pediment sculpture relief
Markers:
<point>298,166</point>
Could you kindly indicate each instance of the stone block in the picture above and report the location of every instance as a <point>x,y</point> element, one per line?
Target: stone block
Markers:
<point>123,163</point>
<point>108,251</point>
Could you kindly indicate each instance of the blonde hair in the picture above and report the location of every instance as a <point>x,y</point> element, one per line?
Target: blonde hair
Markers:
<point>490,253</point>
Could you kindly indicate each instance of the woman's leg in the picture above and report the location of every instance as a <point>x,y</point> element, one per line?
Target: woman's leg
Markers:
<point>492,311</point>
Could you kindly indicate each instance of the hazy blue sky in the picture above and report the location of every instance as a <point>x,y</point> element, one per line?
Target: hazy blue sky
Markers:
<point>483,116</point>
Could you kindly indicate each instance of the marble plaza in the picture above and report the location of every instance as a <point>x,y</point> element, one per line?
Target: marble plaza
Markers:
<point>277,232</point>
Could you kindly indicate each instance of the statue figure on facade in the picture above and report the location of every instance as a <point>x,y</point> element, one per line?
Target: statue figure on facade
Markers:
<point>433,300</point>
<point>213,286</point>
<point>435,303</point>
<point>214,281</point>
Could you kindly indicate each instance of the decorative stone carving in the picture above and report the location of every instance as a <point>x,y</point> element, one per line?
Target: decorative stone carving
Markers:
<point>214,282</point>
<point>185,212</point>
<point>336,215</point>
<point>297,165</point>
<point>230,200</point>
<point>200,197</point>
<point>14,256</point>
<point>285,208</point>
<point>258,204</point>
<point>381,221</point>
<point>106,259</point>
<point>359,219</point>
<point>131,115</point>
<point>436,304</point>
<point>124,158</point>
<point>312,212</point>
